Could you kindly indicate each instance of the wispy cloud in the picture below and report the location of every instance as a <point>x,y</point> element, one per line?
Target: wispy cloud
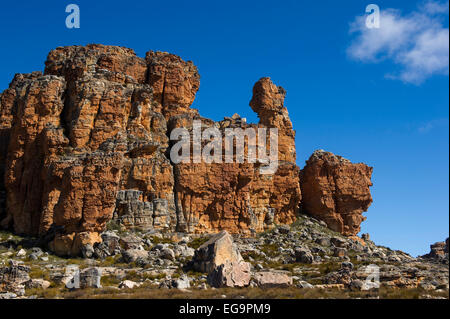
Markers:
<point>417,42</point>
<point>428,126</point>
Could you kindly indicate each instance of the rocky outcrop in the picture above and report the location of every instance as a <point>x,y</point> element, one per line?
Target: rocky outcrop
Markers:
<point>221,259</point>
<point>159,260</point>
<point>438,251</point>
<point>336,191</point>
<point>14,278</point>
<point>174,83</point>
<point>86,129</point>
<point>88,141</point>
<point>218,250</point>
<point>230,274</point>
<point>237,196</point>
<point>272,279</point>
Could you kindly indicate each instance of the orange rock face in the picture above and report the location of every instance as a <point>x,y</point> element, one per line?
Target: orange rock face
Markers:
<point>77,135</point>
<point>236,196</point>
<point>174,82</point>
<point>88,142</point>
<point>336,191</point>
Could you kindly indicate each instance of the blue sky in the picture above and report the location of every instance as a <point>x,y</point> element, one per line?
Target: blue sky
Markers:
<point>379,98</point>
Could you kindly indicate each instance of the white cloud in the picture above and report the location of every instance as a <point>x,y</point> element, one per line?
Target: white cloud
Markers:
<point>428,126</point>
<point>433,7</point>
<point>417,42</point>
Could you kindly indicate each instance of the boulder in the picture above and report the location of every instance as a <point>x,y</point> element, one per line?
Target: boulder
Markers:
<point>304,285</point>
<point>111,242</point>
<point>128,284</point>
<point>338,242</point>
<point>303,255</point>
<point>167,253</point>
<point>132,255</point>
<point>7,295</point>
<point>218,250</point>
<point>37,283</point>
<point>438,250</point>
<point>230,274</point>
<point>73,244</point>
<point>13,278</point>
<point>130,242</point>
<point>340,252</point>
<point>272,279</point>
<point>184,251</point>
<point>21,253</point>
<point>336,191</point>
<point>181,283</point>
<point>91,277</point>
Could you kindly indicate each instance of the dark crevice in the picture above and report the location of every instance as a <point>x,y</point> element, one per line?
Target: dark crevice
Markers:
<point>163,92</point>
<point>178,210</point>
<point>63,116</point>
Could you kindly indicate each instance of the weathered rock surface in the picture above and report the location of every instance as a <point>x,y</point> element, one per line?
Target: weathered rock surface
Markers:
<point>215,252</point>
<point>230,274</point>
<point>275,258</point>
<point>14,278</point>
<point>78,134</point>
<point>237,196</point>
<point>336,191</point>
<point>271,279</point>
<point>220,258</point>
<point>438,251</point>
<point>87,142</point>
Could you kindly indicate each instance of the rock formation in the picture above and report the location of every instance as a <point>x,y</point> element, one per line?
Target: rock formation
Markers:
<point>336,191</point>
<point>221,259</point>
<point>438,251</point>
<point>236,196</point>
<point>272,279</point>
<point>13,278</point>
<point>88,141</point>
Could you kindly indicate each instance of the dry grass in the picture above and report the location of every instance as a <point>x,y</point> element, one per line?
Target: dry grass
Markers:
<point>152,292</point>
<point>197,242</point>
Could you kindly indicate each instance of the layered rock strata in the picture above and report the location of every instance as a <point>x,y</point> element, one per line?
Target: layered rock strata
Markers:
<point>336,191</point>
<point>88,140</point>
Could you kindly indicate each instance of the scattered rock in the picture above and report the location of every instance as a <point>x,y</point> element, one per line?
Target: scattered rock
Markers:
<point>13,278</point>
<point>304,256</point>
<point>340,252</point>
<point>215,252</point>
<point>284,229</point>
<point>7,295</point>
<point>304,285</point>
<point>167,253</point>
<point>37,283</point>
<point>271,279</point>
<point>128,284</point>
<point>230,274</point>
<point>132,255</point>
<point>181,283</point>
<point>90,278</point>
<point>21,253</point>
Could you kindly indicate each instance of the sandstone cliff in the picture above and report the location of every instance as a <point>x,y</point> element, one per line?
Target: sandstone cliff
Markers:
<point>87,142</point>
<point>336,191</point>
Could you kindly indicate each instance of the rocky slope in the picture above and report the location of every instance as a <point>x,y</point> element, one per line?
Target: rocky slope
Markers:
<point>304,260</point>
<point>87,142</point>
